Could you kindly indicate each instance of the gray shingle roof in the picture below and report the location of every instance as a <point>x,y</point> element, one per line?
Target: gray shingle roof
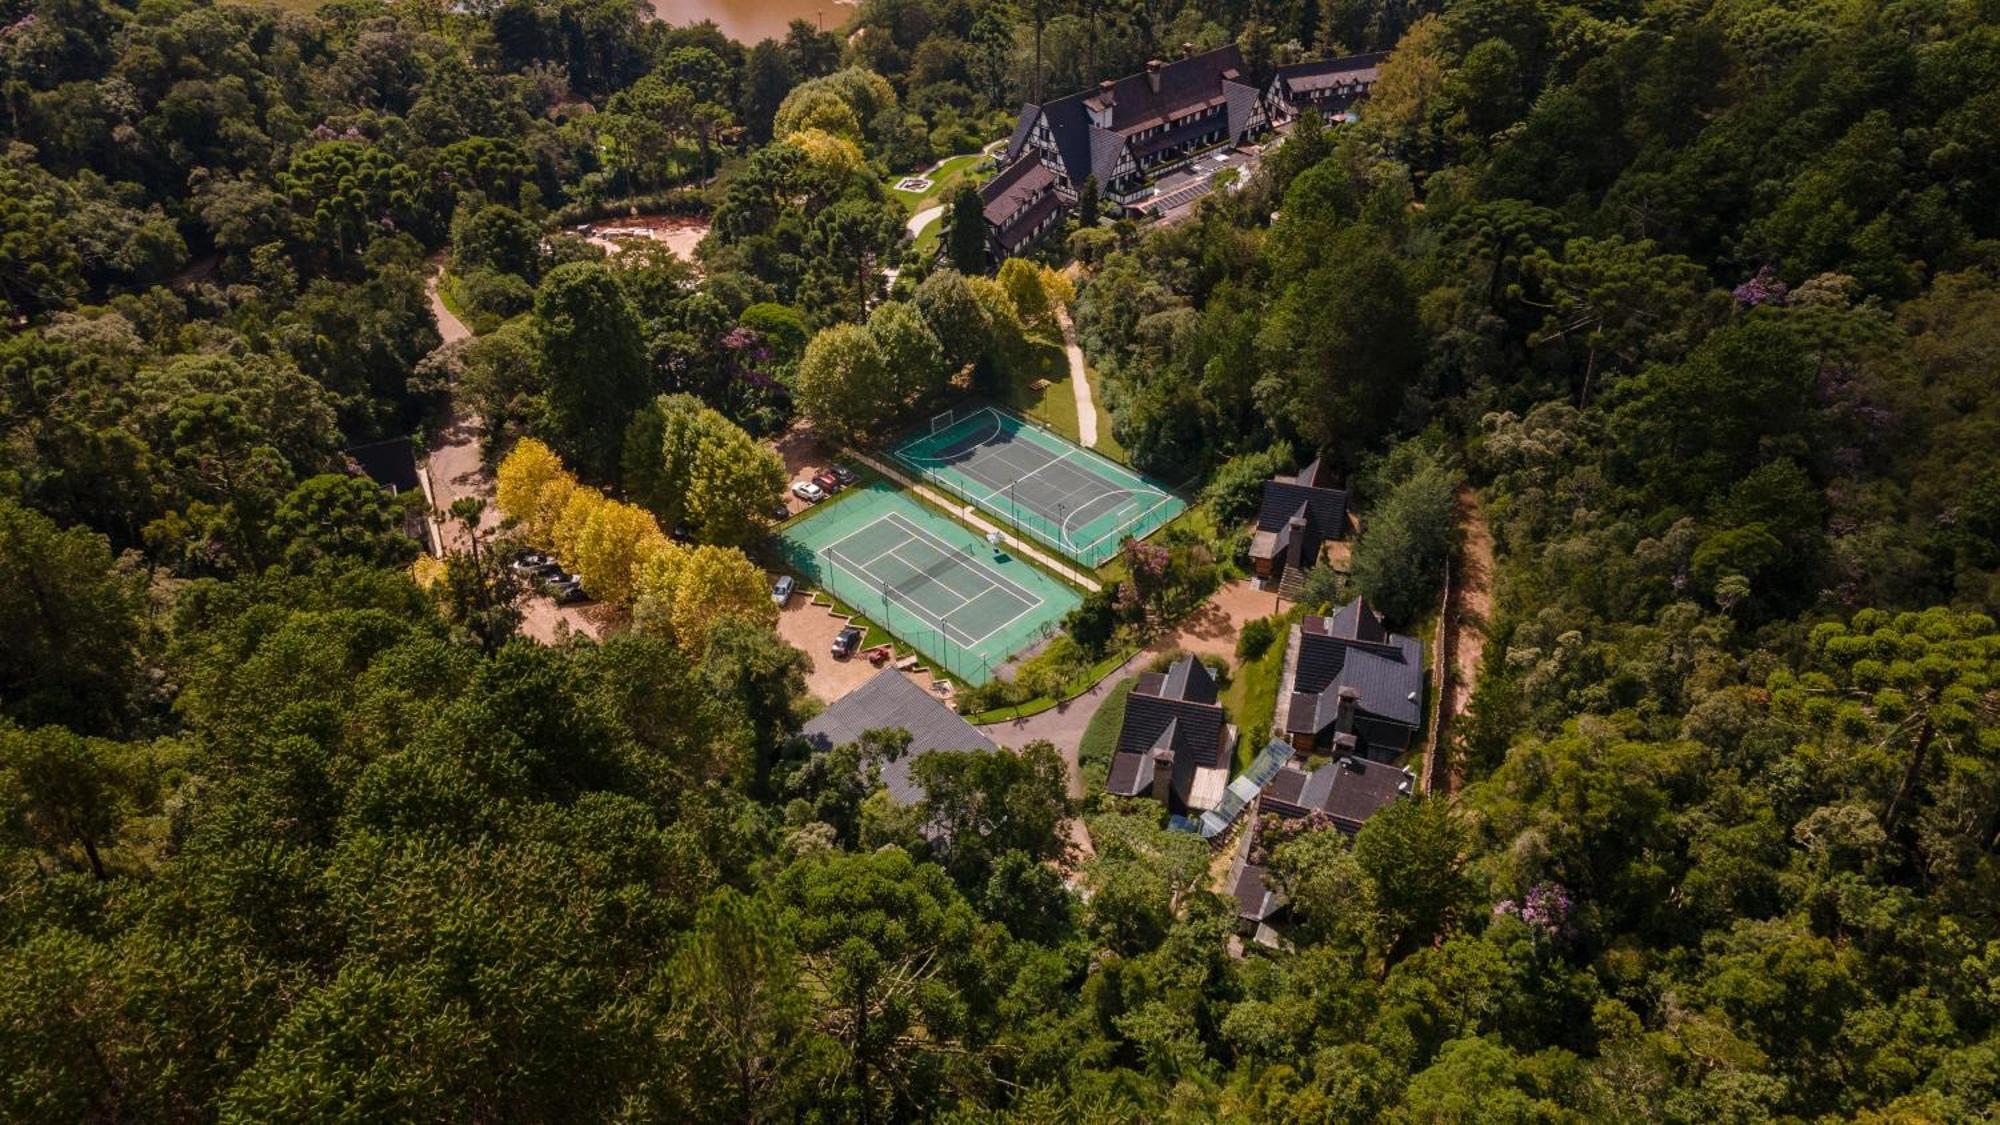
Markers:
<point>1349,790</point>
<point>1324,73</point>
<point>1131,774</point>
<point>1352,649</point>
<point>1019,184</point>
<point>1325,508</point>
<point>890,700</point>
<point>1193,726</point>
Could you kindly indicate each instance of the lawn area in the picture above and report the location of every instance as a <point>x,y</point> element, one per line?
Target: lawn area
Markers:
<point>1252,696</point>
<point>915,201</point>
<point>1054,405</point>
<point>1100,738</point>
<point>1107,443</point>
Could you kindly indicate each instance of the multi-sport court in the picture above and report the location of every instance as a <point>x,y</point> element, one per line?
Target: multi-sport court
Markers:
<point>937,586</point>
<point>1076,501</point>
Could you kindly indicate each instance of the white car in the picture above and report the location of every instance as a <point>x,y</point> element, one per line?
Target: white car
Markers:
<point>808,491</point>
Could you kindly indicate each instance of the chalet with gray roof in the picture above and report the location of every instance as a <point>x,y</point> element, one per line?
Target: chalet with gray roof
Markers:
<point>1175,744</point>
<point>1020,205</point>
<point>1299,515</point>
<point>1356,687</point>
<point>1331,86</point>
<point>1346,791</point>
<point>891,700</point>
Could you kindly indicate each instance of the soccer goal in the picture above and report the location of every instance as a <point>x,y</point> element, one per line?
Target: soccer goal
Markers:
<point>941,422</point>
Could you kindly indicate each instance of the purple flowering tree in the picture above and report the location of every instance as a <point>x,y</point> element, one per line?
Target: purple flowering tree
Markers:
<point>1763,288</point>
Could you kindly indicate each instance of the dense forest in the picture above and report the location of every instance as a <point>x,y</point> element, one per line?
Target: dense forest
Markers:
<point>1702,300</point>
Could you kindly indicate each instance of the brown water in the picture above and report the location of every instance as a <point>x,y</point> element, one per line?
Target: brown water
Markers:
<point>748,21</point>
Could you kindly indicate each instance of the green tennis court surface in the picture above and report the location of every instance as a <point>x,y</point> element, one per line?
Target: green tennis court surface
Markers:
<point>934,584</point>
<point>1079,502</point>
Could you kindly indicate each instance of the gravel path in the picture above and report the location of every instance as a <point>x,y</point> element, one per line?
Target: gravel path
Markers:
<point>1079,381</point>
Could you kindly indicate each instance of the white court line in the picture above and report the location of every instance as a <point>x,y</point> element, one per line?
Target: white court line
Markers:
<point>974,564</point>
<point>993,579</point>
<point>903,450</point>
<point>1133,522</point>
<point>926,576</point>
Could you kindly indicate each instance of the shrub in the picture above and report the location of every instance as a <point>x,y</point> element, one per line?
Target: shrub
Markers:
<point>1256,636</point>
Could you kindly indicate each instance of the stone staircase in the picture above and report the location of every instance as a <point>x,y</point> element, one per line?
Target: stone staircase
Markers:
<point>1291,582</point>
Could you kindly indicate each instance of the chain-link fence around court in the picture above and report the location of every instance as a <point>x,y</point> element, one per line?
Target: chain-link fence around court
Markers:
<point>1064,496</point>
<point>930,582</point>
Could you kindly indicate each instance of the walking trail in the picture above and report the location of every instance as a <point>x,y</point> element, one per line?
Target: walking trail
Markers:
<point>1079,381</point>
<point>1471,609</point>
<point>925,217</point>
<point>922,219</point>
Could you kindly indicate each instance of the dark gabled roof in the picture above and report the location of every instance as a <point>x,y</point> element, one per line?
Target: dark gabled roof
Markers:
<point>1184,84</point>
<point>1352,649</point>
<point>1323,73</point>
<point>1255,900</point>
<point>1189,679</point>
<point>891,700</point>
<point>1357,789</point>
<point>1025,124</point>
<point>1155,719</point>
<point>1028,227</point>
<point>1357,621</point>
<point>391,464</point>
<point>1325,509</point>
<point>1019,184</point>
<point>1348,790</point>
<point>1131,775</point>
<point>1086,150</point>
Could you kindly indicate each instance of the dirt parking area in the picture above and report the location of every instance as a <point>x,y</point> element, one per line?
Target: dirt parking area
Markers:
<point>1212,629</point>
<point>810,629</point>
<point>804,456</point>
<point>545,621</point>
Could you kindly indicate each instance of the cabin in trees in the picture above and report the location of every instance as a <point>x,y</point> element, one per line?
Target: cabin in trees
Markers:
<point>1343,793</point>
<point>1175,743</point>
<point>1331,86</point>
<point>1299,515</point>
<point>1356,688</point>
<point>890,700</point>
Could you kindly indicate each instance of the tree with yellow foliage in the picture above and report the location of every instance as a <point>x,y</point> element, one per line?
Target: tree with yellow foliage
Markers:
<point>566,529</point>
<point>683,591</point>
<point>615,539</point>
<point>531,488</point>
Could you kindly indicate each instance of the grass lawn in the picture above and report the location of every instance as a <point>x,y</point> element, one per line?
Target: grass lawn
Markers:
<point>1054,405</point>
<point>1100,738</point>
<point>1107,443</point>
<point>1252,697</point>
<point>915,201</point>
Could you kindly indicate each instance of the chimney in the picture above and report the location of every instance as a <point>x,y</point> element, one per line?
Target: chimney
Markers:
<point>1343,718</point>
<point>1105,88</point>
<point>1187,50</point>
<point>1163,776</point>
<point>1153,74</point>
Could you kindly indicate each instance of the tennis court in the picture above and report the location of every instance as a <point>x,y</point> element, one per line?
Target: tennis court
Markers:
<point>935,585</point>
<point>1079,502</point>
